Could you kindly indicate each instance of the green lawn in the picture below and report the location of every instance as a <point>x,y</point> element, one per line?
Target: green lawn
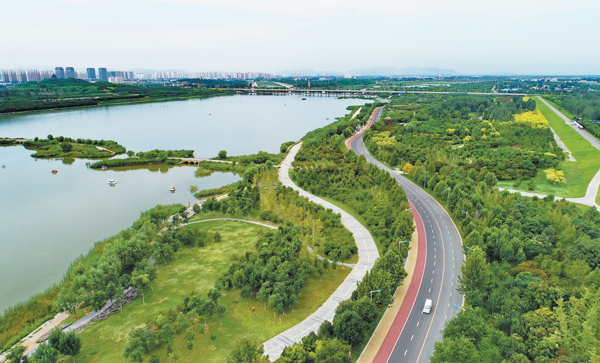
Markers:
<point>578,173</point>
<point>197,268</point>
<point>78,151</point>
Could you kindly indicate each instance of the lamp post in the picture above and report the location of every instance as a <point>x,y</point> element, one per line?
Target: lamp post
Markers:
<point>372,291</point>
<point>448,192</point>
<point>460,307</point>
<point>424,180</point>
<point>465,212</point>
<point>400,244</point>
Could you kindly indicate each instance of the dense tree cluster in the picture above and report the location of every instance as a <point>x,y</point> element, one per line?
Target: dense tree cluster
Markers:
<point>511,149</point>
<point>325,169</point>
<point>531,277</point>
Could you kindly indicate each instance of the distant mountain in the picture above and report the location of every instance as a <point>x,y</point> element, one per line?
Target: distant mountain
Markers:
<point>409,71</point>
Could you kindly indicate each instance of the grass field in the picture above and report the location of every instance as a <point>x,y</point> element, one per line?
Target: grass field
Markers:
<point>578,173</point>
<point>268,84</point>
<point>197,268</point>
<point>78,151</point>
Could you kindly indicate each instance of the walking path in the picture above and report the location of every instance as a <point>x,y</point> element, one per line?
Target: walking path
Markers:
<point>367,254</point>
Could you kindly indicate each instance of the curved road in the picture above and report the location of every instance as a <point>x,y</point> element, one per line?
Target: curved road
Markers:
<point>414,342</point>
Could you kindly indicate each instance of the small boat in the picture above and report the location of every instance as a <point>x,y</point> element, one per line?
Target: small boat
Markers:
<point>111,182</point>
<point>172,189</point>
<point>54,171</point>
<point>104,167</point>
<point>304,99</point>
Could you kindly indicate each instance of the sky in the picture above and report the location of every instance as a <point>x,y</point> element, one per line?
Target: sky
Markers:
<point>532,37</point>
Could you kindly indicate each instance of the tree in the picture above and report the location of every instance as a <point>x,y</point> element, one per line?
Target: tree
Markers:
<point>45,353</point>
<point>66,147</point>
<point>131,154</point>
<point>168,254</point>
<point>154,359</point>
<point>221,312</point>
<point>98,300</point>
<point>15,354</point>
<point>55,337</point>
<point>213,337</point>
<point>70,344</point>
<point>141,282</point>
<point>189,339</point>
<point>217,237</point>
<point>349,326</point>
<point>331,351</point>
<point>222,154</point>
<point>247,351</point>
<point>475,277</point>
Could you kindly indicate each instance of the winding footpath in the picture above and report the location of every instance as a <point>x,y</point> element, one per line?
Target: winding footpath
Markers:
<point>367,254</point>
<point>412,335</point>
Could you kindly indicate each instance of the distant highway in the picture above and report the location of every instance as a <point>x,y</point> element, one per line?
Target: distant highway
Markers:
<point>358,92</point>
<point>414,342</point>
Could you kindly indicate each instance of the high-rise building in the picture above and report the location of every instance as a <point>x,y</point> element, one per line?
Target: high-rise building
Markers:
<point>71,72</point>
<point>102,74</point>
<point>60,72</point>
<point>91,73</point>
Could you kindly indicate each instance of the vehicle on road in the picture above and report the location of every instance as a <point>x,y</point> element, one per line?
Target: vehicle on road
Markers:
<point>427,306</point>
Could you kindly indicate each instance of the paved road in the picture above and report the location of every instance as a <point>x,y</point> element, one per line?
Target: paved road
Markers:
<point>367,254</point>
<point>595,143</point>
<point>416,338</point>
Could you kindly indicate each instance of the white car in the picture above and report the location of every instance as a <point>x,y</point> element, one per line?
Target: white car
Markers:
<point>427,306</point>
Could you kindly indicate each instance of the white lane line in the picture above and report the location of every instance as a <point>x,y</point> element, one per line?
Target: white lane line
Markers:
<point>450,294</point>
<point>433,272</point>
<point>406,352</point>
<point>411,338</point>
<point>429,289</point>
<point>418,323</point>
<point>431,280</point>
<point>434,263</point>
<point>445,317</point>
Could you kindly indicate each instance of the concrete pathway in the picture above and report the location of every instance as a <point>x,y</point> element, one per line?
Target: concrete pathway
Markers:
<point>589,199</point>
<point>367,254</point>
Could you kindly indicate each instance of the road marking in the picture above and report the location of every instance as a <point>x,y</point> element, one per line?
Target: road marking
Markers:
<point>433,272</point>
<point>445,317</point>
<point>434,263</point>
<point>450,294</point>
<point>406,352</point>
<point>431,280</point>
<point>411,338</point>
<point>428,291</point>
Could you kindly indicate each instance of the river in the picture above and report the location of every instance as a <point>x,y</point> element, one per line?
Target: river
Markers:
<point>48,220</point>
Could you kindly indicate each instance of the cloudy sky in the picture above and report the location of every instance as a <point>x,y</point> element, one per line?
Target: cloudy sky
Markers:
<point>469,36</point>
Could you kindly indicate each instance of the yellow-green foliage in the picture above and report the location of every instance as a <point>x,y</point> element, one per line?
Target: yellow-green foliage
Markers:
<point>383,140</point>
<point>534,118</point>
<point>467,139</point>
<point>555,176</point>
<point>450,132</point>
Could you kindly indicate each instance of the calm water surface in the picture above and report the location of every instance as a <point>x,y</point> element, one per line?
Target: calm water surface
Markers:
<point>47,220</point>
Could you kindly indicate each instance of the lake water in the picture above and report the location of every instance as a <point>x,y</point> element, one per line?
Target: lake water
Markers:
<point>47,220</point>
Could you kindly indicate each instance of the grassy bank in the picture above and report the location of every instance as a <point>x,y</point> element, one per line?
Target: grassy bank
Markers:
<point>196,269</point>
<point>578,173</point>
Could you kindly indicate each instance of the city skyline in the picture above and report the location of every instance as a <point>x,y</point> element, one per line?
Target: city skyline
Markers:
<point>467,36</point>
